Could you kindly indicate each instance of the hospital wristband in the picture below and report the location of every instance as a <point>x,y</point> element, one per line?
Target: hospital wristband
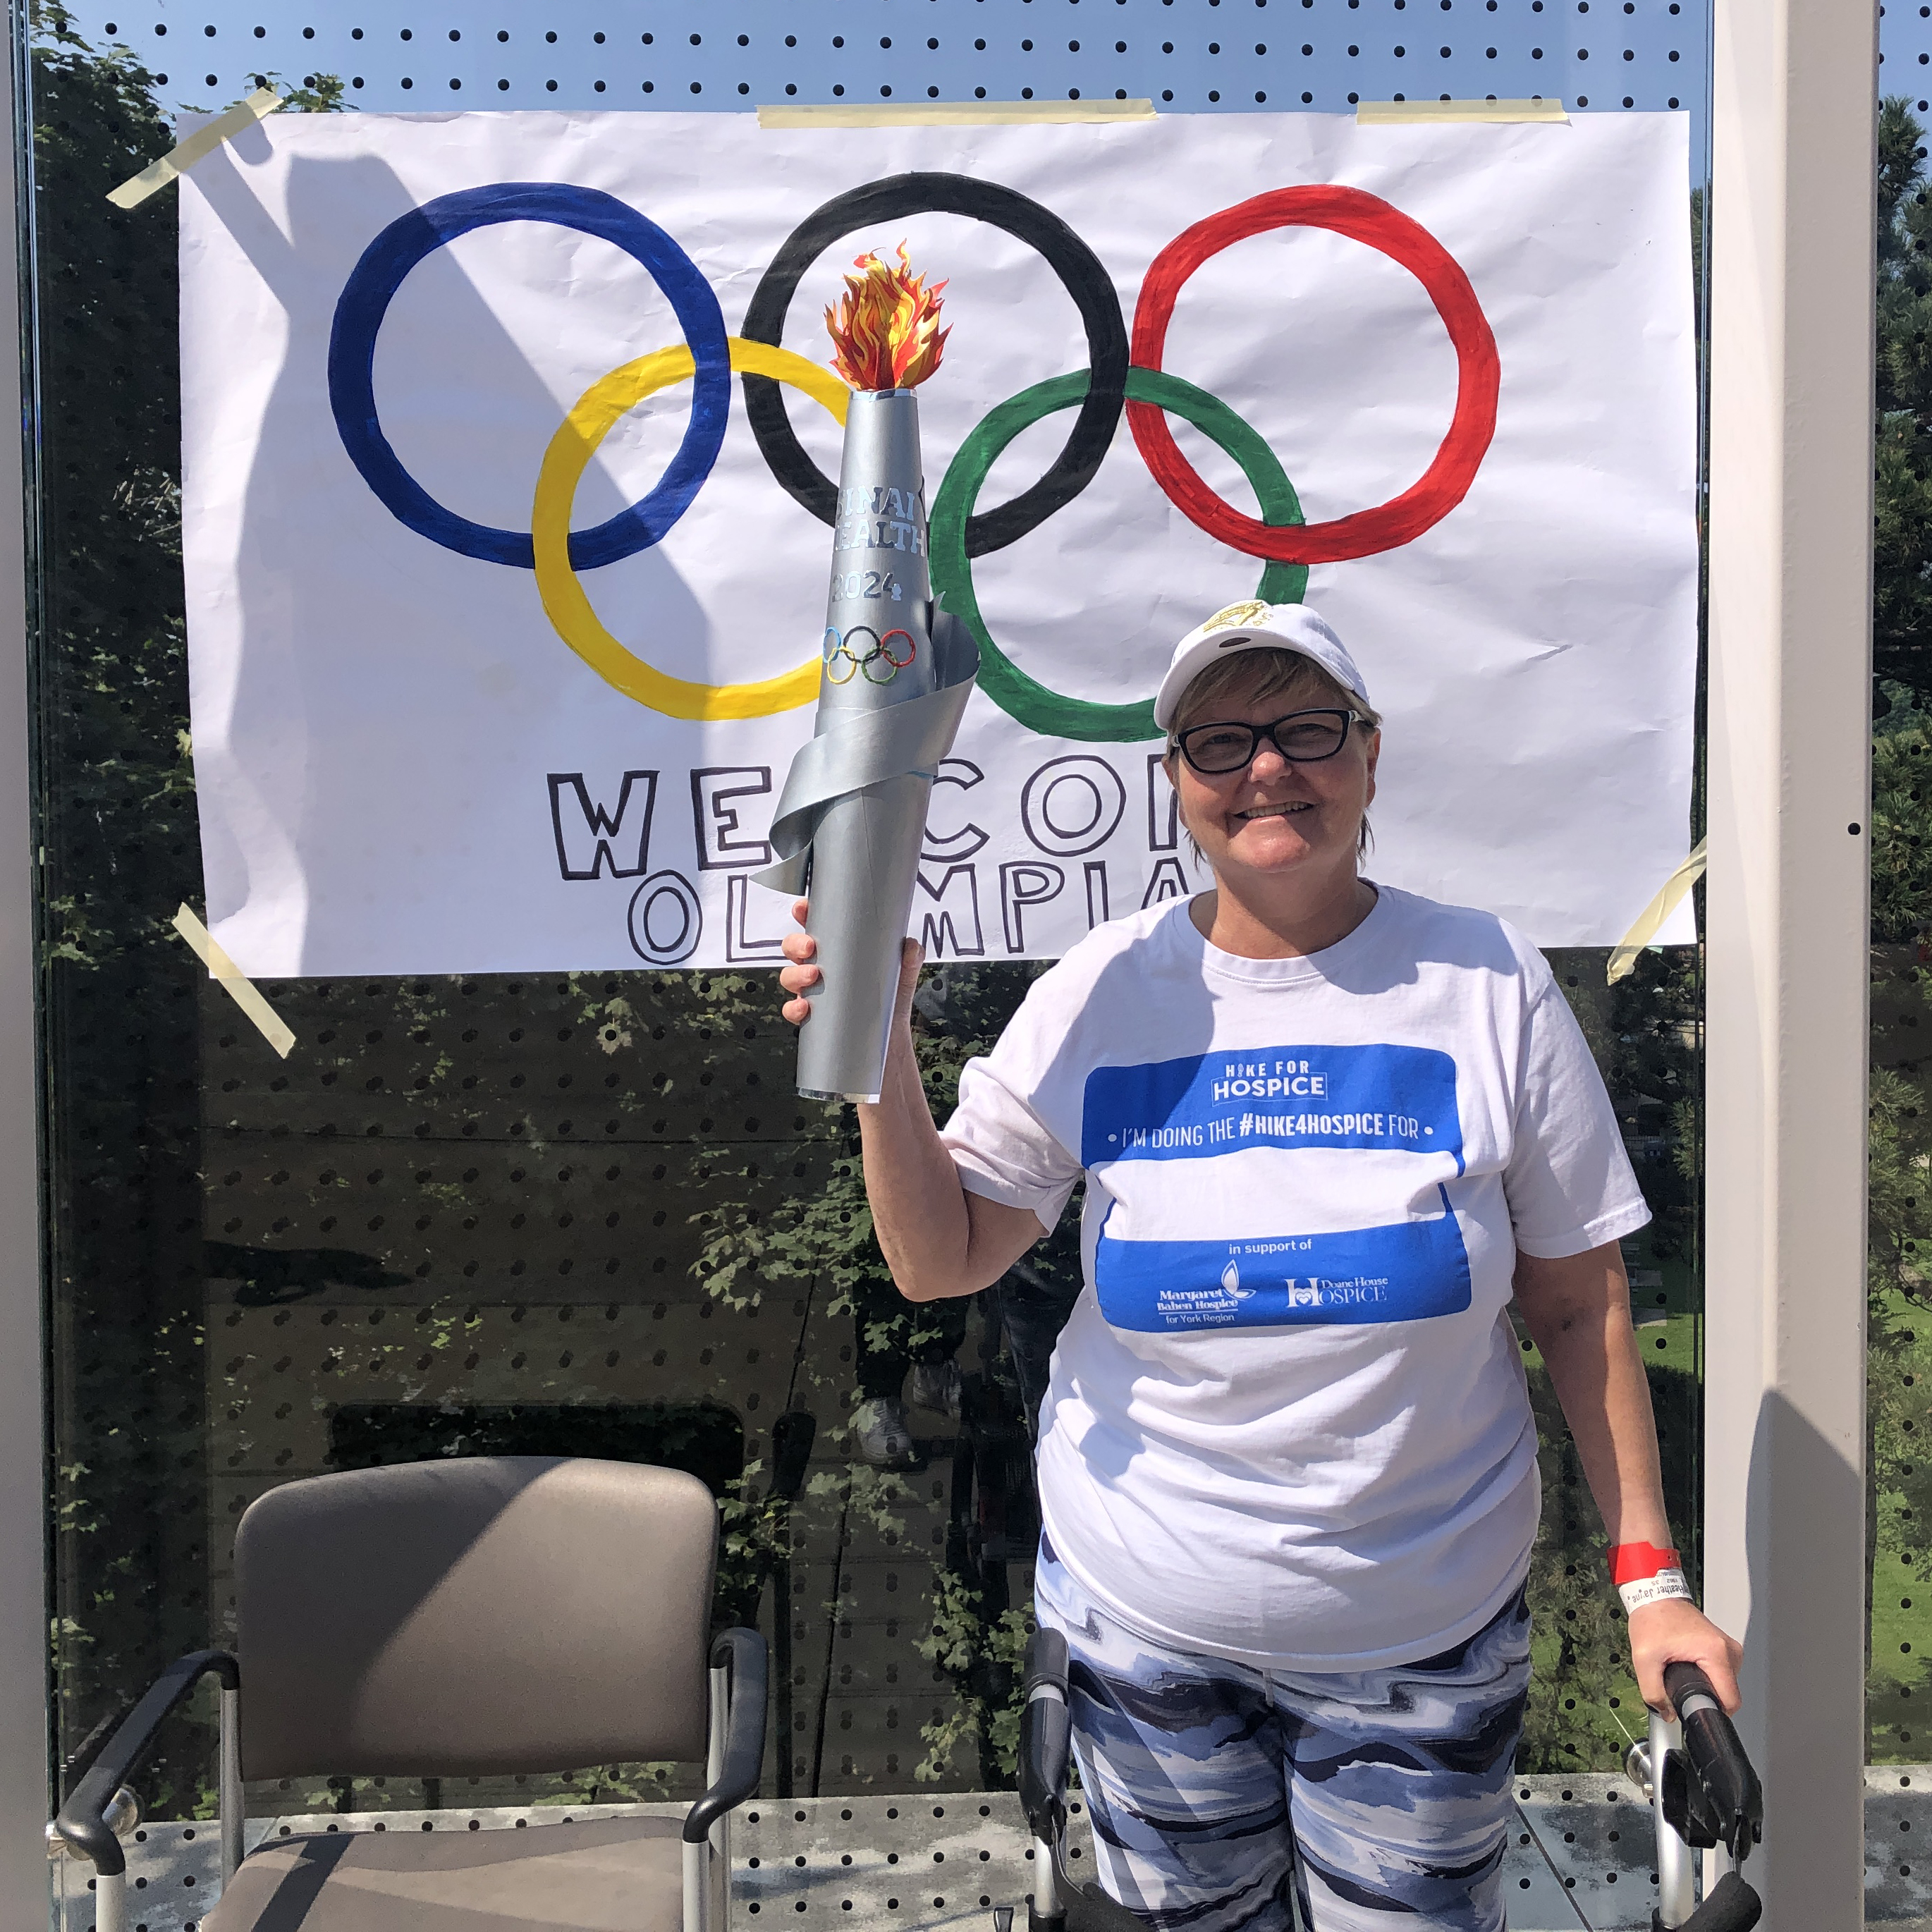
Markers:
<point>1645,1574</point>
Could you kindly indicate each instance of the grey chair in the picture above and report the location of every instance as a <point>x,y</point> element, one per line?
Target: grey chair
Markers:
<point>462,1618</point>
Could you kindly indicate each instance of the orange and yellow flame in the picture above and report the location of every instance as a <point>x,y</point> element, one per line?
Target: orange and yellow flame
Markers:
<point>885,328</point>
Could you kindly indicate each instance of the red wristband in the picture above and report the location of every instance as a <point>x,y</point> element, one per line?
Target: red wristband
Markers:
<point>1645,1574</point>
<point>1633,1562</point>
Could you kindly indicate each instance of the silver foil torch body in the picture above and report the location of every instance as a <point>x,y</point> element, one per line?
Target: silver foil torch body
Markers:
<point>896,676</point>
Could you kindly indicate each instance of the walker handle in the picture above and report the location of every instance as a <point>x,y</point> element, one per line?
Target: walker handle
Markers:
<point>1732,1804</point>
<point>1046,1732</point>
<point>1733,1906</point>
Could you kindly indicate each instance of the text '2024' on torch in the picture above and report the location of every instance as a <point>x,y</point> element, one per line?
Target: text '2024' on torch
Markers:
<point>897,673</point>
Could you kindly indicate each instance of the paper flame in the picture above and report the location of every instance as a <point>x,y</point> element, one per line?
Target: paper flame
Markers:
<point>885,328</point>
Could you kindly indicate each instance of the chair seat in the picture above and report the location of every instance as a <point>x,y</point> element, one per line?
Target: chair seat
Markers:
<point>608,1875</point>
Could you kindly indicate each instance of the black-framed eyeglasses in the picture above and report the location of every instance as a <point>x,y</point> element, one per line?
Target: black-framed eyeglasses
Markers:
<point>1303,738</point>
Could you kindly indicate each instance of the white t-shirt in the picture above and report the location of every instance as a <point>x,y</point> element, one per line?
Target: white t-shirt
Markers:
<point>1287,1422</point>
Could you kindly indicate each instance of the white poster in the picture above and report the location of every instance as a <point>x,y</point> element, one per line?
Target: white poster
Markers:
<point>1436,380</point>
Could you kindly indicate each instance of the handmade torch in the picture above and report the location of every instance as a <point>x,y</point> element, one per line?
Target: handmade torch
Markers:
<point>897,673</point>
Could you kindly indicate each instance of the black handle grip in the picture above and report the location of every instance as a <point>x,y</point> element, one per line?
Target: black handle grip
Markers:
<point>1733,1799</point>
<point>1046,1737</point>
<point>1682,1680</point>
<point>1046,1661</point>
<point>1731,1907</point>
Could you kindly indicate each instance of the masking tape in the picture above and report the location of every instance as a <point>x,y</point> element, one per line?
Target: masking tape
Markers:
<point>1396,113</point>
<point>950,113</point>
<point>1623,959</point>
<point>240,988</point>
<point>203,141</point>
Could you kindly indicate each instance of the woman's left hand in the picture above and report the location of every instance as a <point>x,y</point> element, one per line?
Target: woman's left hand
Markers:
<point>1675,1631</point>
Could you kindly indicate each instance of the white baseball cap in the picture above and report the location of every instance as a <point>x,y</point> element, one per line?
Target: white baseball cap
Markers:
<point>1254,626</point>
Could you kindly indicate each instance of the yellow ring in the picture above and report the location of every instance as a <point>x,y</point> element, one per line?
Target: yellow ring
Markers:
<point>596,412</point>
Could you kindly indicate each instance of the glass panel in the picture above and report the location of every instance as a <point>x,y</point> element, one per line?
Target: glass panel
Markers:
<point>585,1213</point>
<point>1899,1575</point>
<point>1647,1033</point>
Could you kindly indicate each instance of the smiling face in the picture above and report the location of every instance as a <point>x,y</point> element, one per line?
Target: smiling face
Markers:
<point>1275,824</point>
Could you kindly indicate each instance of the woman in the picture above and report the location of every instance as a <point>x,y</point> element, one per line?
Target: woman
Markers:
<point>1287,1463</point>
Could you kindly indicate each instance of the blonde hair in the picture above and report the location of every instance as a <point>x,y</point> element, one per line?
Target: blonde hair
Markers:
<point>1252,676</point>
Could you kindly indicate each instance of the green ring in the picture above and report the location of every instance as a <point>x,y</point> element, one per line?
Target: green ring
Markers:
<point>1024,697</point>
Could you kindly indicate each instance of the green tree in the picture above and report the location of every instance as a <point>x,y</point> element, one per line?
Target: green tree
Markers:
<point>1902,531</point>
<point>1899,1254</point>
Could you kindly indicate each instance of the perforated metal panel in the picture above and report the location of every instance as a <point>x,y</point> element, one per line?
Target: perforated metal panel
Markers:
<point>1905,62</point>
<point>1194,55</point>
<point>1578,1859</point>
<point>469,1214</point>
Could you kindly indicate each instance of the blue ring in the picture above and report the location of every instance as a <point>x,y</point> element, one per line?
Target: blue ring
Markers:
<point>387,261</point>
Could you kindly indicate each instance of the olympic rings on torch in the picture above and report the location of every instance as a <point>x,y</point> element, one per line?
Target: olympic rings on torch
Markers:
<point>838,651</point>
<point>1362,218</point>
<point>708,357</point>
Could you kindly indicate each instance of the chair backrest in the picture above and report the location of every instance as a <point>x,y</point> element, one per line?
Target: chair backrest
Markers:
<point>475,1615</point>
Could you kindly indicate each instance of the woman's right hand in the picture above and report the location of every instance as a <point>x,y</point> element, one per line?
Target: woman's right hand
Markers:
<point>800,948</point>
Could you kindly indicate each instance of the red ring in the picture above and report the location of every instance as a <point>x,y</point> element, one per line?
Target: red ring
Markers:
<point>912,649</point>
<point>1363,217</point>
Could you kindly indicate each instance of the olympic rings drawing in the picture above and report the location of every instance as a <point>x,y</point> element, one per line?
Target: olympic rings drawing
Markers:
<point>386,263</point>
<point>1363,217</point>
<point>1023,697</point>
<point>838,651</point>
<point>1124,375</point>
<point>566,604</point>
<point>1080,273</point>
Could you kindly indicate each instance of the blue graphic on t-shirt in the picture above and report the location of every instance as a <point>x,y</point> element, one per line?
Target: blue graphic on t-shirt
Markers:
<point>1397,1098</point>
<point>1406,1272</point>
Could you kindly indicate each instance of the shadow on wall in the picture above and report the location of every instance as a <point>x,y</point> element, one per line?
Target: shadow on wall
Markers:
<point>1803,1687</point>
<point>267,1276</point>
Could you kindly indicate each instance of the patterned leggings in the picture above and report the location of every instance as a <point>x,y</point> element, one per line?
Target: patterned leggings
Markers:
<point>1382,1796</point>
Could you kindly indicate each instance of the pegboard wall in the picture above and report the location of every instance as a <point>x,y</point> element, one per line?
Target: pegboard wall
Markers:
<point>473,1216</point>
<point>486,1214</point>
<point>473,1219</point>
<point>1193,56</point>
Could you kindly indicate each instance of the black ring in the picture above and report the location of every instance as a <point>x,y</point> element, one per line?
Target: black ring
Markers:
<point>1080,275</point>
